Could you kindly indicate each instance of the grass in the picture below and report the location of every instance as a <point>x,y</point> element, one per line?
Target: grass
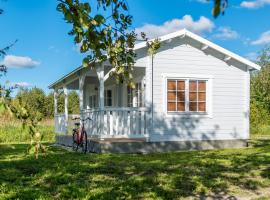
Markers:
<point>11,131</point>
<point>262,131</point>
<point>180,175</point>
<point>64,174</point>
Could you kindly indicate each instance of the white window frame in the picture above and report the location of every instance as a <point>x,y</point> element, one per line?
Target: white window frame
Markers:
<point>135,98</point>
<point>93,101</point>
<point>189,77</point>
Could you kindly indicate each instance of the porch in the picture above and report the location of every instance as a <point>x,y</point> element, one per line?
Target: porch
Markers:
<point>111,122</point>
<point>116,110</point>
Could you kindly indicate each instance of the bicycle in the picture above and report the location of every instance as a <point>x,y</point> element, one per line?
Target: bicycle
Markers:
<point>79,136</point>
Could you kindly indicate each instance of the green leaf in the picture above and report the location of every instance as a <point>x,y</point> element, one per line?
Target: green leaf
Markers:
<point>99,19</point>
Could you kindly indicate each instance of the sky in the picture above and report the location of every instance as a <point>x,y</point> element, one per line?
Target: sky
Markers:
<point>45,52</point>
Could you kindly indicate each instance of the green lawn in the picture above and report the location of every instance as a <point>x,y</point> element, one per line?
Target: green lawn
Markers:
<point>68,175</point>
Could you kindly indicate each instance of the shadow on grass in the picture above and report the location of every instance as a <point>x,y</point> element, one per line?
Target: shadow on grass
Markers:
<point>69,175</point>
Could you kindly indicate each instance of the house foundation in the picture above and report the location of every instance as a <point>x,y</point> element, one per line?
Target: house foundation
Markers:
<point>125,145</point>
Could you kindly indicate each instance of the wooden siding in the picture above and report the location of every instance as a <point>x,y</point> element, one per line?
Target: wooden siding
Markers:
<point>229,96</point>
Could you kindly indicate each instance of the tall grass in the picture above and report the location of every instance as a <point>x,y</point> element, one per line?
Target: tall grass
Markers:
<point>11,131</point>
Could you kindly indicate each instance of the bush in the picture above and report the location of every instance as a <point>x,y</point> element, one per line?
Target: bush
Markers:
<point>259,119</point>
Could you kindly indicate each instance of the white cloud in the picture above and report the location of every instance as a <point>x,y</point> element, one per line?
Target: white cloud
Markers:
<point>201,26</point>
<point>201,1</point>
<point>254,4</point>
<point>22,84</point>
<point>12,61</point>
<point>225,33</point>
<point>263,39</point>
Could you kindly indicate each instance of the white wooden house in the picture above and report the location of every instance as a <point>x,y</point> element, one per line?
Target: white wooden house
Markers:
<point>191,94</point>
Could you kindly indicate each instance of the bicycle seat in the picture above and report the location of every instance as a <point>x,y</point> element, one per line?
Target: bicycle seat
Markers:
<point>77,124</point>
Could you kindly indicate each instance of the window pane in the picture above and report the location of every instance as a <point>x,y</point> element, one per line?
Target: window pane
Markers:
<point>202,107</point>
<point>109,102</point>
<point>193,86</point>
<point>202,96</point>
<point>180,85</point>
<point>171,96</point>
<point>193,96</point>
<point>180,96</point>
<point>171,85</point>
<point>202,86</point>
<point>180,106</point>
<point>171,106</point>
<point>192,106</point>
<point>109,93</point>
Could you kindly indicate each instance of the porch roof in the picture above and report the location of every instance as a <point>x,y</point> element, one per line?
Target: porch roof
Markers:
<point>75,71</point>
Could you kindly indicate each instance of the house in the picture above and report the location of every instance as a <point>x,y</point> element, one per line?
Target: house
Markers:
<point>193,94</point>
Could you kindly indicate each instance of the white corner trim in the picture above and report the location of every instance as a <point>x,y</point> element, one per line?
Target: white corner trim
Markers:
<point>209,94</point>
<point>247,120</point>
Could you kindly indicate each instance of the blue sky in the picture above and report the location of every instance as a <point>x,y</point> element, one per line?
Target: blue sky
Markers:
<point>44,52</point>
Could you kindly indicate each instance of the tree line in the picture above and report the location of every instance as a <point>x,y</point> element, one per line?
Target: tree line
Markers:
<point>37,100</point>
<point>260,93</point>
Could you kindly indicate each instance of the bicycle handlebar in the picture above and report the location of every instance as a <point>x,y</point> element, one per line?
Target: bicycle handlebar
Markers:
<point>88,118</point>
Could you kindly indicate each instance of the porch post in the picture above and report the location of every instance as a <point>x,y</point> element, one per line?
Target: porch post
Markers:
<point>55,94</point>
<point>81,93</point>
<point>66,108</point>
<point>149,94</point>
<point>100,73</point>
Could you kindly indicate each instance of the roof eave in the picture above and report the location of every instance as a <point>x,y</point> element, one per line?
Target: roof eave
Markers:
<point>183,33</point>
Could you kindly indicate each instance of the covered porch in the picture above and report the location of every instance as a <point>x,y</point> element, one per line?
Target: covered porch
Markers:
<point>116,110</point>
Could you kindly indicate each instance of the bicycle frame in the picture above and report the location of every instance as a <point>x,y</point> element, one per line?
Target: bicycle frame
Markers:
<point>79,135</point>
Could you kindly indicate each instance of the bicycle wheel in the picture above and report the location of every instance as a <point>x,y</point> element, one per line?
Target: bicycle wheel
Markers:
<point>84,143</point>
<point>74,141</point>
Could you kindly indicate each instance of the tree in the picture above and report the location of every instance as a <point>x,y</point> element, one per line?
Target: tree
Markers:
<point>73,106</point>
<point>260,91</point>
<point>105,33</point>
<point>34,99</point>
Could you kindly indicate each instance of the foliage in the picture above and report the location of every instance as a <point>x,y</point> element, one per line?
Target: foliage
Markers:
<point>105,33</point>
<point>29,119</point>
<point>219,7</point>
<point>64,174</point>
<point>73,104</point>
<point>37,100</point>
<point>11,131</point>
<point>34,99</point>
<point>260,93</point>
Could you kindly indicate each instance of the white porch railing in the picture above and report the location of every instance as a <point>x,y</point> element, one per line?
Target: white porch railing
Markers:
<point>118,122</point>
<point>59,123</point>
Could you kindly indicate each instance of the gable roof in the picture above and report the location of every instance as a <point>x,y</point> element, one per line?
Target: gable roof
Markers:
<point>185,33</point>
<point>182,34</point>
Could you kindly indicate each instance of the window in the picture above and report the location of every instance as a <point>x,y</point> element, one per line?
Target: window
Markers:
<point>135,96</point>
<point>197,96</point>
<point>186,95</point>
<point>129,97</point>
<point>108,97</point>
<point>93,101</point>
